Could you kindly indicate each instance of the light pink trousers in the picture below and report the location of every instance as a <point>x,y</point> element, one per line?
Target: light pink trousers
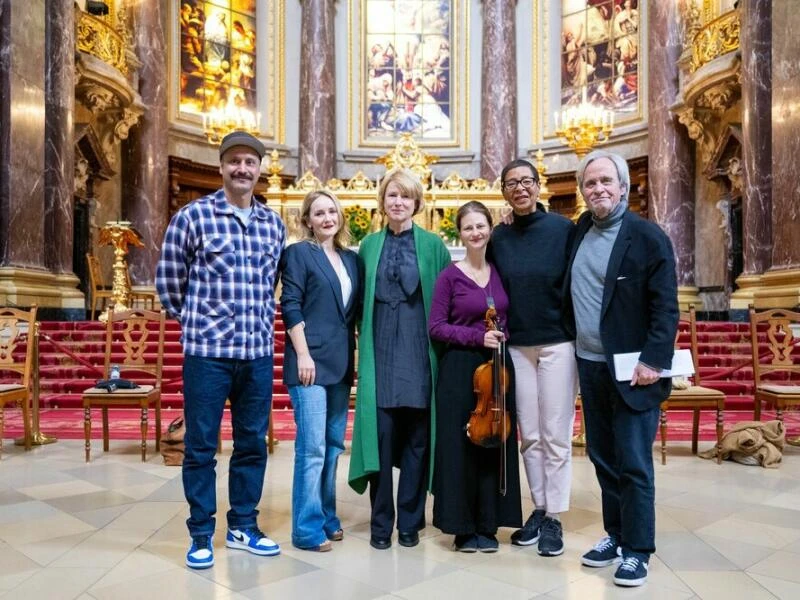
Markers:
<point>546,385</point>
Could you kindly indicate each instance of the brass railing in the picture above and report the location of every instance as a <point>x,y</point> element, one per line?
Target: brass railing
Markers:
<point>97,37</point>
<point>716,38</point>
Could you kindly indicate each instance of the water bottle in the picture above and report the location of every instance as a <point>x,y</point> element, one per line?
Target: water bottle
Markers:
<point>113,372</point>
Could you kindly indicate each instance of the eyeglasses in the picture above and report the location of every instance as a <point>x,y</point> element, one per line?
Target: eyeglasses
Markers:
<point>512,184</point>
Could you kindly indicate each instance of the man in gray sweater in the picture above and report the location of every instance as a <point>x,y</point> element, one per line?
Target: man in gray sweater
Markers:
<point>621,296</point>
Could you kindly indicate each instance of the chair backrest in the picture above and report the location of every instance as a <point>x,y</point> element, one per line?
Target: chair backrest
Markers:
<point>15,325</point>
<point>95,272</point>
<point>783,343</point>
<point>690,318</point>
<point>130,327</point>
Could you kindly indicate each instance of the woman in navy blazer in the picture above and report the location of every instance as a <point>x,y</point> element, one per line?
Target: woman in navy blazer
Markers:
<point>319,302</point>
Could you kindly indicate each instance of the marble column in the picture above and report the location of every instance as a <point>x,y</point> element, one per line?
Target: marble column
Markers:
<point>22,126</point>
<point>317,143</point>
<point>755,43</point>
<point>781,284</point>
<point>145,197</point>
<point>499,87</point>
<point>670,171</point>
<point>59,151</point>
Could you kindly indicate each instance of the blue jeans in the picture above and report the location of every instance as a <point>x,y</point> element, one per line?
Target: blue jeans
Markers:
<point>619,441</point>
<point>321,416</point>
<point>207,383</point>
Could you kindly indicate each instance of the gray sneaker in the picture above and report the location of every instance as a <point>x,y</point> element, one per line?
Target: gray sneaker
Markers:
<point>529,534</point>
<point>604,553</point>
<point>551,538</point>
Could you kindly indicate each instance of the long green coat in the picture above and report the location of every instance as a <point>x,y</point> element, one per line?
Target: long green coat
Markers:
<point>432,257</point>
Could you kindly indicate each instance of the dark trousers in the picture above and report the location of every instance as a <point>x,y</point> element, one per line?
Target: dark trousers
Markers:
<point>619,441</point>
<point>403,441</point>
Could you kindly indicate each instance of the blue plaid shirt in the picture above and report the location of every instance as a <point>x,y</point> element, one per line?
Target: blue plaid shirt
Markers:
<point>217,276</point>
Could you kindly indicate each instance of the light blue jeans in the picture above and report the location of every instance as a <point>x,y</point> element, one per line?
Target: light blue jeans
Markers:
<point>321,416</point>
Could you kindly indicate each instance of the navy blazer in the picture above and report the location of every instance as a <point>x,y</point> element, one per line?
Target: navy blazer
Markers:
<point>639,312</point>
<point>312,293</point>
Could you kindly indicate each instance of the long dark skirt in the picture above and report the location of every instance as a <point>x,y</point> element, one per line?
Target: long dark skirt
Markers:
<point>466,477</point>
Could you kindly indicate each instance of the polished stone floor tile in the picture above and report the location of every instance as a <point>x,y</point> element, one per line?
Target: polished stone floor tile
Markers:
<point>115,529</point>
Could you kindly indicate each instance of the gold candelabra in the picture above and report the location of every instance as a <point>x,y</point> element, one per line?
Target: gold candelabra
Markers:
<point>219,122</point>
<point>581,128</point>
<point>119,234</point>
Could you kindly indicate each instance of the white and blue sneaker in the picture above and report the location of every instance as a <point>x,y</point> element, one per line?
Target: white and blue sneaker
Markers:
<point>253,540</point>
<point>632,571</point>
<point>201,553</point>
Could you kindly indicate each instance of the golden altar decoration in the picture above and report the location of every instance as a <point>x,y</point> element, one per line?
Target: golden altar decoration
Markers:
<point>97,37</point>
<point>359,194</point>
<point>121,235</point>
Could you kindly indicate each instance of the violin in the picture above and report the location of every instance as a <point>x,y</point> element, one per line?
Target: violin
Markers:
<point>490,424</point>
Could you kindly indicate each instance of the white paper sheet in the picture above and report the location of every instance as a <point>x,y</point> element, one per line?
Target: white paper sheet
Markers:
<point>681,364</point>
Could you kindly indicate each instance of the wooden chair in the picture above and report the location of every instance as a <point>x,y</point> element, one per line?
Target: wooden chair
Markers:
<point>129,328</point>
<point>695,397</point>
<point>143,297</point>
<point>783,337</point>
<point>13,324</point>
<point>97,289</point>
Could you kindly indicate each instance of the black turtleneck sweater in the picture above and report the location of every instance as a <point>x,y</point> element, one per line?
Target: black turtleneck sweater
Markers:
<point>531,256</point>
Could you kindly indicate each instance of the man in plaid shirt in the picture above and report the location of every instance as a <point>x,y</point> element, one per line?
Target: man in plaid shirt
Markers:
<point>217,275</point>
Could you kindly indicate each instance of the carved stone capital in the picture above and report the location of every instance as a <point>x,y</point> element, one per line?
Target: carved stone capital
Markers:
<point>98,99</point>
<point>128,118</point>
<point>720,97</point>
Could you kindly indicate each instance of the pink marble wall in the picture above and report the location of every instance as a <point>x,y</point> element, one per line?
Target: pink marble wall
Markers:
<point>755,46</point>
<point>59,152</point>
<point>785,135</point>
<point>498,88</point>
<point>671,171</point>
<point>145,198</point>
<point>317,139</point>
<point>22,122</point>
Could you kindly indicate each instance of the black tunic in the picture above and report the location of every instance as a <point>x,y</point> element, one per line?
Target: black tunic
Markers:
<point>466,482</point>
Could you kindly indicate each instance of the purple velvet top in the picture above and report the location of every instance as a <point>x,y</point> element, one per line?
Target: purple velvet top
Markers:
<point>459,307</point>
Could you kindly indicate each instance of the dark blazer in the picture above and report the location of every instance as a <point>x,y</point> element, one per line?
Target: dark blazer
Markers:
<point>312,293</point>
<point>639,312</point>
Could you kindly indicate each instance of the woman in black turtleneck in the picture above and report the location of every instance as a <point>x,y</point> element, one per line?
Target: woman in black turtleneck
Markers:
<point>531,257</point>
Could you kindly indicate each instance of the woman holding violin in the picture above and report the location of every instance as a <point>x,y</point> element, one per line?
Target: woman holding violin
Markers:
<point>476,479</point>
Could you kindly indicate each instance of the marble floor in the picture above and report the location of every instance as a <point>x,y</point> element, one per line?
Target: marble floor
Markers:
<point>114,529</point>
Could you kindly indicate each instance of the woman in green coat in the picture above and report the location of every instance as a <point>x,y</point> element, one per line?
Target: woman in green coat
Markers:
<point>396,363</point>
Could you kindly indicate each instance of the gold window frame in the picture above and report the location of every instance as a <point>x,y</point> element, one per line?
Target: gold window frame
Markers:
<point>357,83</point>
<point>270,79</point>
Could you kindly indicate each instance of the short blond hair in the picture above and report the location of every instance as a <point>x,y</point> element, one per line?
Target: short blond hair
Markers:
<point>342,237</point>
<point>409,184</point>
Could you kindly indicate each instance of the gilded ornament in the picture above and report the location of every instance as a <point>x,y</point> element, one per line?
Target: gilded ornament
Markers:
<point>716,38</point>
<point>96,37</point>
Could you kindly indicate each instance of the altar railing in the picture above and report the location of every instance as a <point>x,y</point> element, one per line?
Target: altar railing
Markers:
<point>360,200</point>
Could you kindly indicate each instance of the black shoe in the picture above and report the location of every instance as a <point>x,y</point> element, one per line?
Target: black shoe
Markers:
<point>380,543</point>
<point>409,539</point>
<point>529,534</point>
<point>466,543</point>
<point>487,542</point>
<point>551,539</point>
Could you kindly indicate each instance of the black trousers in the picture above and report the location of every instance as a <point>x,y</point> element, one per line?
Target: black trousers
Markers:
<point>403,441</point>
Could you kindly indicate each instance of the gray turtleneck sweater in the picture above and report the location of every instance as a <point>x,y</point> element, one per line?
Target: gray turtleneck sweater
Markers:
<point>588,281</point>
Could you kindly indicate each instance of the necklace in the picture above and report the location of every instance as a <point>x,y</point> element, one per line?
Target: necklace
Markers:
<point>473,275</point>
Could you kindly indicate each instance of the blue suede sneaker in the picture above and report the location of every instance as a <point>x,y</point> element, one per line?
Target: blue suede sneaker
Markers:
<point>632,571</point>
<point>201,553</point>
<point>253,540</point>
<point>605,552</point>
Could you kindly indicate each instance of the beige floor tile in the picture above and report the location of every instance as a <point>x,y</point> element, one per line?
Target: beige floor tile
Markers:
<point>739,530</point>
<point>56,584</point>
<point>741,554</point>
<point>35,530</point>
<point>135,565</point>
<point>780,588</point>
<point>178,584</point>
<point>465,586</point>
<point>708,585</point>
<point>782,565</point>
<point>316,584</point>
<point>58,490</point>
<point>600,586</point>
<point>15,567</point>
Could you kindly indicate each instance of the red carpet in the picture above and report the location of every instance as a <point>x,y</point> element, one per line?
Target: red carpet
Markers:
<point>67,423</point>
